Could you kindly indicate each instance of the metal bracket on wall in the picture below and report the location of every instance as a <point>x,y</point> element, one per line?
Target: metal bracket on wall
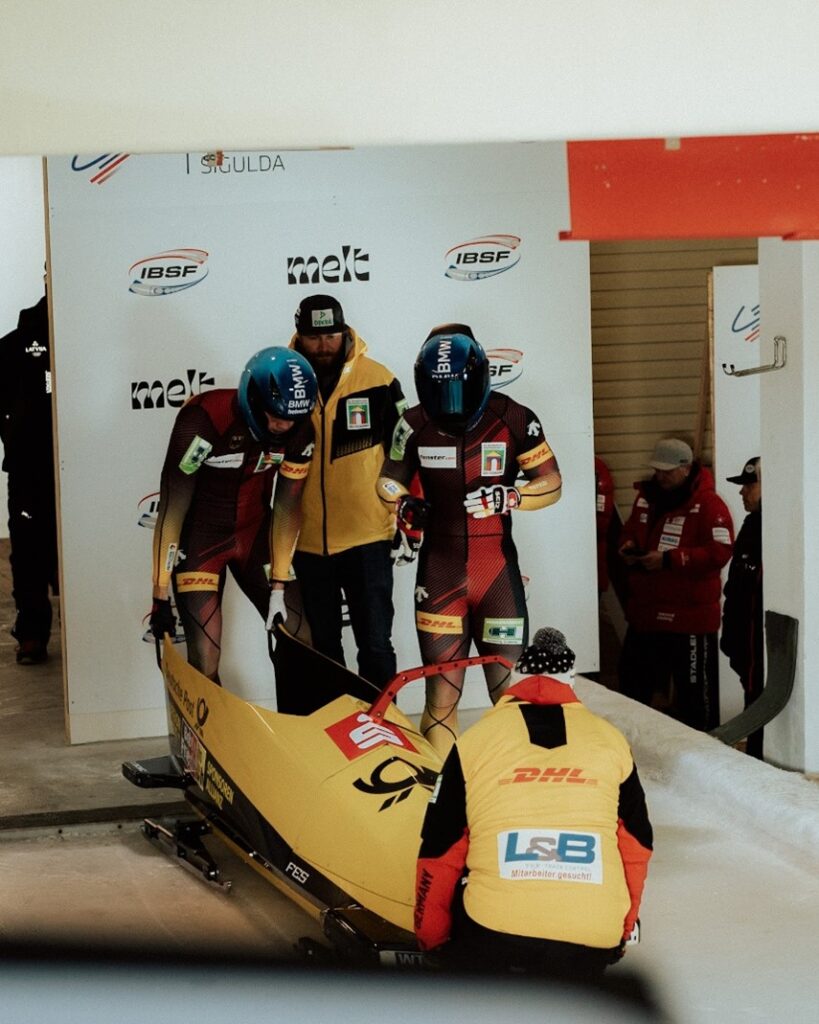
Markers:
<point>780,358</point>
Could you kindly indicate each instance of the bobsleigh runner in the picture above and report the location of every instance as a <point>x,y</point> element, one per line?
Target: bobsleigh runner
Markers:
<point>324,797</point>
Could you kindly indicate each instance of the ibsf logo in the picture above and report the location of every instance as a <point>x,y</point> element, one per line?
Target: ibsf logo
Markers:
<point>147,511</point>
<point>351,265</point>
<point>101,167</point>
<point>483,257</point>
<point>156,395</point>
<point>505,366</point>
<point>168,272</point>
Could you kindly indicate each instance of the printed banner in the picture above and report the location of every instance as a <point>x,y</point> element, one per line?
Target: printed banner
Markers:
<point>170,271</point>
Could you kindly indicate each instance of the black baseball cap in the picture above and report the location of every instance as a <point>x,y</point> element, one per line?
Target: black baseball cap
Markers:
<point>749,474</point>
<point>320,314</point>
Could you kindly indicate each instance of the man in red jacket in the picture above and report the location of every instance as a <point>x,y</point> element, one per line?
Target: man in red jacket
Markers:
<point>677,538</point>
<point>536,841</point>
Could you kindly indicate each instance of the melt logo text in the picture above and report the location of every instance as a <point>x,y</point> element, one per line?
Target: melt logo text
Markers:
<point>505,366</point>
<point>482,257</point>
<point>167,272</point>
<point>101,167</point>
<point>156,394</point>
<point>352,265</point>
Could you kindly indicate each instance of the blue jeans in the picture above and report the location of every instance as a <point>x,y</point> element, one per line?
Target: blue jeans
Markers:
<point>364,574</point>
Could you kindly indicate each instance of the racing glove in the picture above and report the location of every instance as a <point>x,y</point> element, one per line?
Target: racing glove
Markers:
<point>405,547</point>
<point>162,619</point>
<point>491,501</point>
<point>276,610</point>
<point>411,513</point>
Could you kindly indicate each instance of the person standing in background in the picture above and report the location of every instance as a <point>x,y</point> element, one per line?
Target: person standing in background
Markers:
<point>675,542</point>
<point>743,639</point>
<point>605,509</point>
<point>26,432</point>
<point>344,549</point>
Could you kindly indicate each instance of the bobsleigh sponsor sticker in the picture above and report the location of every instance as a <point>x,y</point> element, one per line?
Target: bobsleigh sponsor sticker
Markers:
<point>197,452</point>
<point>493,458</point>
<point>400,436</point>
<point>267,460</point>
<point>503,631</point>
<point>358,733</point>
<point>667,542</point>
<point>358,414</point>
<point>672,526</point>
<point>550,855</point>
<point>721,535</point>
<point>438,457</point>
<point>232,460</point>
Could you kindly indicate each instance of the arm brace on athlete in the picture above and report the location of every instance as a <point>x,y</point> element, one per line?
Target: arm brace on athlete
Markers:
<point>539,492</point>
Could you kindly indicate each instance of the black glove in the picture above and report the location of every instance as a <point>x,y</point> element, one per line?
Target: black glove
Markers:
<point>162,618</point>
<point>405,547</point>
<point>617,954</point>
<point>412,513</point>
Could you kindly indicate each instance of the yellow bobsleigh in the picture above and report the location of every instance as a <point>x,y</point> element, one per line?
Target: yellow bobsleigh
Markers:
<point>326,797</point>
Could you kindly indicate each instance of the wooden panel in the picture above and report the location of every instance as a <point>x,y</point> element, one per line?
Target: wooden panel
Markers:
<point>649,344</point>
<point>647,388</point>
<point>614,369</point>
<point>692,259</point>
<point>638,298</point>
<point>636,404</point>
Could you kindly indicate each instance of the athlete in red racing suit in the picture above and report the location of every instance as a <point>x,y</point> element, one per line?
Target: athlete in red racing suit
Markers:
<point>214,512</point>
<point>468,585</point>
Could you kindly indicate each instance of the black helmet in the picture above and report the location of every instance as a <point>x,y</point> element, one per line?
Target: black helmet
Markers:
<point>279,381</point>
<point>320,314</point>
<point>452,378</point>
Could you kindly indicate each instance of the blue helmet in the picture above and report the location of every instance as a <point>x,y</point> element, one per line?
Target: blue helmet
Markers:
<point>278,381</point>
<point>452,378</point>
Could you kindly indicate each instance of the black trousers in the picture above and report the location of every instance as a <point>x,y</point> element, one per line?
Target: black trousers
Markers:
<point>650,662</point>
<point>475,948</point>
<point>362,575</point>
<point>33,538</point>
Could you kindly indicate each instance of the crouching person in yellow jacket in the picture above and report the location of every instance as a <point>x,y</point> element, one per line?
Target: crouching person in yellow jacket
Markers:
<point>536,842</point>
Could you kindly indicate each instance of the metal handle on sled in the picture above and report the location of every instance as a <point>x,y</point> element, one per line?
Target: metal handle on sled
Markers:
<point>387,695</point>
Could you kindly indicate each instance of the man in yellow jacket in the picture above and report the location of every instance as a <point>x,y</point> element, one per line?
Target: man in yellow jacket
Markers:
<point>539,810</point>
<point>346,536</point>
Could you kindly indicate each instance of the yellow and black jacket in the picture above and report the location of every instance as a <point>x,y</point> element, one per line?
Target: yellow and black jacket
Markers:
<point>353,427</point>
<point>540,805</point>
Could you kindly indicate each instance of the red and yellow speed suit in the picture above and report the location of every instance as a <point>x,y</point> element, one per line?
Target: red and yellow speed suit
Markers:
<point>469,585</point>
<point>214,514</point>
<point>541,805</point>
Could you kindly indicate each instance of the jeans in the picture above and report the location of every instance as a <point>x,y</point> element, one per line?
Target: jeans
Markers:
<point>364,575</point>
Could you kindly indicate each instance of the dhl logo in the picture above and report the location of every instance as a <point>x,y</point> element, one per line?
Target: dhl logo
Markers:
<point>448,624</point>
<point>549,775</point>
<point>537,456</point>
<point>295,470</point>
<point>197,581</point>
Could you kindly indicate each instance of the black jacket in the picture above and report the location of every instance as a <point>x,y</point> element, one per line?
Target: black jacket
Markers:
<point>742,632</point>
<point>25,389</point>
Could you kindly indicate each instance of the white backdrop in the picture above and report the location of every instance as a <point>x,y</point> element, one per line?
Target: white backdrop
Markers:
<point>125,361</point>
<point>737,412</point>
